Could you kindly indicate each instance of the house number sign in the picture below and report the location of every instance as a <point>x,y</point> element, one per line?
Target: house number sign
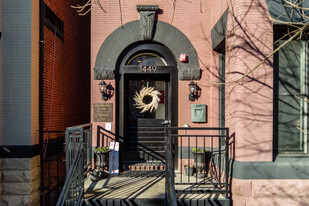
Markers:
<point>148,69</point>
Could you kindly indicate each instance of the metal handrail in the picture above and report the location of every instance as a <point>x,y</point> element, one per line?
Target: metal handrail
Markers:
<point>169,173</point>
<point>78,158</point>
<point>222,151</point>
<point>69,180</point>
<point>52,169</point>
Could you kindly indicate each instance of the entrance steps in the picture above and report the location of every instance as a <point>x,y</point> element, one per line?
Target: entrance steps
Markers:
<point>126,190</point>
<point>146,189</point>
<point>144,166</point>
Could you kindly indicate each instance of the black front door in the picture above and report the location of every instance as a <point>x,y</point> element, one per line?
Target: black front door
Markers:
<point>144,133</point>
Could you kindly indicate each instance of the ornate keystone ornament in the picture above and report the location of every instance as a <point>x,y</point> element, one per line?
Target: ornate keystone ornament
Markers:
<point>147,13</point>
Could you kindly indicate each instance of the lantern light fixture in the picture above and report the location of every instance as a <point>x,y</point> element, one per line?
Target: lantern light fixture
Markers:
<point>192,90</point>
<point>103,90</point>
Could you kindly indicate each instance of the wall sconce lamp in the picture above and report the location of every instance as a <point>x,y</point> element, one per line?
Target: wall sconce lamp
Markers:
<point>103,90</point>
<point>192,89</point>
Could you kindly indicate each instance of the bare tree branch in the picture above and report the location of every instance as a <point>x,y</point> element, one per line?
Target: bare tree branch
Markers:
<point>303,131</point>
<point>300,28</point>
<point>301,99</point>
<point>297,33</point>
<point>296,5</point>
<point>86,8</point>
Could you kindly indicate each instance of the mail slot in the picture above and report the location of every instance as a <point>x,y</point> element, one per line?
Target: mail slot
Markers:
<point>198,113</point>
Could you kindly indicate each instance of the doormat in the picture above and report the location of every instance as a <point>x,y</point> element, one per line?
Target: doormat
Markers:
<point>142,173</point>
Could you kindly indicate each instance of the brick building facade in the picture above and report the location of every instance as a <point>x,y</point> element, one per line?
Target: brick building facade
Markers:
<point>223,41</point>
<point>230,35</point>
<point>63,88</point>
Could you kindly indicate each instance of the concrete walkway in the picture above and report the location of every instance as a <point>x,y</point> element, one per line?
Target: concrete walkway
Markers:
<point>126,190</point>
<point>140,190</point>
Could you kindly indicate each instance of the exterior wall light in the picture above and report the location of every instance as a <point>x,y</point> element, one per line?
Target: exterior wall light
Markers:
<point>192,89</point>
<point>103,90</point>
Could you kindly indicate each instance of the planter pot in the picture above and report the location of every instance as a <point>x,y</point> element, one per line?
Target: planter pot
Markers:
<point>189,170</point>
<point>199,157</point>
<point>95,175</point>
<point>102,162</point>
<point>201,163</point>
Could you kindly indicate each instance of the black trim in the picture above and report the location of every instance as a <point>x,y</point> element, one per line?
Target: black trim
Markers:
<point>153,70</point>
<point>150,47</point>
<point>218,33</point>
<point>282,168</point>
<point>19,151</point>
<point>221,93</point>
<point>121,77</point>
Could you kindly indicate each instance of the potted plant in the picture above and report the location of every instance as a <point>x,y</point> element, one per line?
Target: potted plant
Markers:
<point>201,161</point>
<point>198,155</point>
<point>102,154</point>
<point>190,170</point>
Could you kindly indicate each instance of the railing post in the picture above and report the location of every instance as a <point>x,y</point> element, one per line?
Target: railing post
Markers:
<point>67,151</point>
<point>219,161</point>
<point>166,168</point>
<point>170,195</point>
<point>226,162</point>
<point>77,146</point>
<point>81,163</point>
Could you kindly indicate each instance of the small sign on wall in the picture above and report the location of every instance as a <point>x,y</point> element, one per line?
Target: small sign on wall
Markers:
<point>103,112</point>
<point>198,112</point>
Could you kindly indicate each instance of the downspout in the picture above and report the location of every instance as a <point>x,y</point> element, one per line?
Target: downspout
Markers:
<point>41,86</point>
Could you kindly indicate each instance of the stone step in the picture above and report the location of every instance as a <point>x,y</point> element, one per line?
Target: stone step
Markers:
<point>145,166</point>
<point>127,202</point>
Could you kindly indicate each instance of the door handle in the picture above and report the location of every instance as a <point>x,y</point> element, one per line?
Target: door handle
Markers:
<point>166,122</point>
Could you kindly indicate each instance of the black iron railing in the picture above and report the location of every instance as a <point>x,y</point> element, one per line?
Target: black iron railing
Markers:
<point>79,160</point>
<point>213,171</point>
<point>169,172</point>
<point>52,166</point>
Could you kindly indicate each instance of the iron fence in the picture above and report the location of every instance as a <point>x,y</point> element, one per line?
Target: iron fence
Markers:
<point>206,150</point>
<point>79,160</point>
<point>169,172</point>
<point>52,166</point>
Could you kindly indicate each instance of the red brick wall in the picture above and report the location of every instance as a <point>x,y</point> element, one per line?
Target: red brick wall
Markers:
<point>67,69</point>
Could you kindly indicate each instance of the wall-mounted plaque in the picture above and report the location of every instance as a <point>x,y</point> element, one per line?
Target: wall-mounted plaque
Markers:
<point>103,112</point>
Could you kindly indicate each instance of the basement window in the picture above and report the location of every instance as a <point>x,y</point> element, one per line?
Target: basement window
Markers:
<point>53,22</point>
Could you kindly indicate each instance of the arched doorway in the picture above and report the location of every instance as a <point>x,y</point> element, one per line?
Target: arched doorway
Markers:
<point>125,44</point>
<point>142,66</point>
